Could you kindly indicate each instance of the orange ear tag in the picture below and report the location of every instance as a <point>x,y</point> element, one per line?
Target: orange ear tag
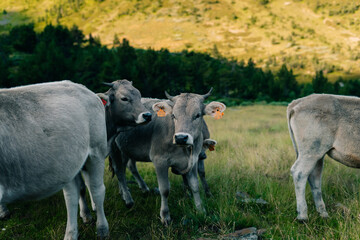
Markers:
<point>161,113</point>
<point>218,114</point>
<point>212,147</point>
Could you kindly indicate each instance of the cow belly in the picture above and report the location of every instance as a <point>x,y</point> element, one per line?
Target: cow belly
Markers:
<point>40,174</point>
<point>348,159</point>
<point>10,195</point>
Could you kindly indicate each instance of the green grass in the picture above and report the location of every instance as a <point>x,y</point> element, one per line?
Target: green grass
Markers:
<point>254,155</point>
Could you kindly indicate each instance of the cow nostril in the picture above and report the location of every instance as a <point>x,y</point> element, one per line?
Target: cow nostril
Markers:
<point>147,116</point>
<point>181,137</point>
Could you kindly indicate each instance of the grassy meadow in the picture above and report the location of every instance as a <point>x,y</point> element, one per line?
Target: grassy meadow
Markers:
<point>254,155</point>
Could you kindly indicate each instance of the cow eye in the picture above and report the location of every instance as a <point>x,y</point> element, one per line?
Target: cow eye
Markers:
<point>197,116</point>
<point>124,99</point>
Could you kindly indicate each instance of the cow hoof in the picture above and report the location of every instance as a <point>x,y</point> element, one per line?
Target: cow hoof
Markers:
<point>302,219</point>
<point>324,215</point>
<point>87,218</point>
<point>4,215</point>
<point>208,194</point>
<point>129,205</point>
<point>156,191</point>
<point>102,233</point>
<point>145,190</point>
<point>166,221</point>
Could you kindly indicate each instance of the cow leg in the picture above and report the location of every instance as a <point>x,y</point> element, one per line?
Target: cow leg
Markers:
<point>85,213</point>
<point>164,188</point>
<point>71,195</point>
<point>95,168</point>
<point>300,171</point>
<point>132,167</point>
<point>119,165</point>
<point>315,184</point>
<point>194,187</point>
<point>201,172</point>
<point>86,177</point>
<point>4,211</point>
<point>186,186</point>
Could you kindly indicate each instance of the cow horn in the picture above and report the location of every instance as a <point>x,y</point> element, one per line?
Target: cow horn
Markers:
<point>168,96</point>
<point>207,94</point>
<point>108,84</point>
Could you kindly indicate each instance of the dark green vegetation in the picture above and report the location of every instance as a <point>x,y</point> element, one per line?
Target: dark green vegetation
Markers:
<point>59,53</point>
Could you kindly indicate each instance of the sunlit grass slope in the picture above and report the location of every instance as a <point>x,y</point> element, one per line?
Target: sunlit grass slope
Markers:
<point>254,155</point>
<point>307,35</point>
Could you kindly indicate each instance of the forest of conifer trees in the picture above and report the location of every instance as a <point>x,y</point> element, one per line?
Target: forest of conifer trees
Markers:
<point>59,53</point>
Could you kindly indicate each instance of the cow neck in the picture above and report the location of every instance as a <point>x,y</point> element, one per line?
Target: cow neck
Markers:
<point>110,126</point>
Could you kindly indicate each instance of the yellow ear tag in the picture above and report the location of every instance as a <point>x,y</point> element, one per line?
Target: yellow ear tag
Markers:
<point>161,113</point>
<point>218,114</point>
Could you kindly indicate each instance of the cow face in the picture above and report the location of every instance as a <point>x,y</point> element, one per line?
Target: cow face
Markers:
<point>187,111</point>
<point>123,104</point>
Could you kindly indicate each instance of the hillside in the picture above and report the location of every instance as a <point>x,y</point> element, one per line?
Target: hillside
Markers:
<point>306,35</point>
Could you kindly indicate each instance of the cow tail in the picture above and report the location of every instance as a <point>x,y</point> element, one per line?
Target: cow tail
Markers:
<point>111,169</point>
<point>290,112</point>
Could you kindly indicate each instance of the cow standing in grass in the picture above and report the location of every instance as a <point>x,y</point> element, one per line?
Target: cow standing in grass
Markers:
<point>49,133</point>
<point>322,124</point>
<point>174,141</point>
<point>131,164</point>
<point>123,110</point>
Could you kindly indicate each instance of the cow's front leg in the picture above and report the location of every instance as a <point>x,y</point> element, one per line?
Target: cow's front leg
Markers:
<point>194,187</point>
<point>164,188</point>
<point>4,212</point>
<point>201,172</point>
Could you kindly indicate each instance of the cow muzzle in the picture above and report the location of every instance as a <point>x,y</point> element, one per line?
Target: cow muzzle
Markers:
<point>182,138</point>
<point>143,117</point>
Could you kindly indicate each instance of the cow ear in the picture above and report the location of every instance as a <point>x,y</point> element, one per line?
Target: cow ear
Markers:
<point>215,109</point>
<point>162,109</point>
<point>209,143</point>
<point>104,98</point>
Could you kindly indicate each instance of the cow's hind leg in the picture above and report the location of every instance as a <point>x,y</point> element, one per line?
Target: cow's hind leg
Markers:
<point>132,167</point>
<point>300,171</point>
<point>315,184</point>
<point>71,195</point>
<point>4,212</point>
<point>119,165</point>
<point>85,213</point>
<point>95,167</point>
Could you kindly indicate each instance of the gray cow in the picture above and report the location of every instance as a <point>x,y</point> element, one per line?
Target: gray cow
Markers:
<point>123,110</point>
<point>322,124</point>
<point>175,141</point>
<point>131,164</point>
<point>50,132</point>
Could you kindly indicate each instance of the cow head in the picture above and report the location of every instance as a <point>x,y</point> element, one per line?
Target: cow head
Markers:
<point>123,104</point>
<point>187,111</point>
